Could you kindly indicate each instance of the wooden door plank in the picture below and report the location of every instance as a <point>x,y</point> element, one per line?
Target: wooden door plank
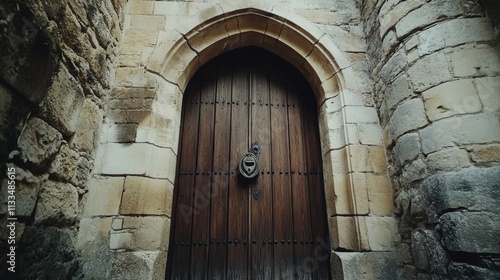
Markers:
<point>183,212</point>
<point>201,203</point>
<point>300,192</point>
<point>238,212</point>
<point>316,191</point>
<point>219,196</point>
<point>280,166</point>
<point>262,208</point>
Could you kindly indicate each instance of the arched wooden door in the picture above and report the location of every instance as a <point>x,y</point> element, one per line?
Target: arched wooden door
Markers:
<point>225,226</point>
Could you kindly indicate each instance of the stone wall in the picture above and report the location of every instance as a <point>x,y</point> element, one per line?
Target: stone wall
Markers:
<point>57,58</point>
<point>436,67</point>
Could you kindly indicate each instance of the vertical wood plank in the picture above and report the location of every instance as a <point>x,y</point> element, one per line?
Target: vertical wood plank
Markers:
<point>300,192</point>
<point>280,166</point>
<point>219,195</point>
<point>261,209</point>
<point>237,262</point>
<point>202,201</point>
<point>183,212</point>
<point>321,252</point>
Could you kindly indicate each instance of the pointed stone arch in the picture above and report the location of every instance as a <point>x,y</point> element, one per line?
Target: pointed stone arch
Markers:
<point>357,187</point>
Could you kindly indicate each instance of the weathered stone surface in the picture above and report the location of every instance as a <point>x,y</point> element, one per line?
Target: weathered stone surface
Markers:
<point>105,194</point>
<point>426,15</point>
<point>407,148</point>
<point>57,204</point>
<point>62,105</point>
<point>452,98</point>
<point>139,265</point>
<point>475,62</point>
<point>473,188</point>
<point>485,153</point>
<point>408,116</point>
<point>487,89</point>
<point>39,142</point>
<point>443,35</point>
<point>380,198</point>
<point>394,66</point>
<point>149,232</point>
<point>465,271</point>
<point>396,92</point>
<point>429,71</point>
<point>29,53</point>
<point>146,196</point>
<point>354,266</point>
<point>382,233</point>
<point>472,232</point>
<point>467,129</point>
<point>428,253</point>
<point>54,258</point>
<point>65,164</point>
<point>448,159</point>
<point>87,133</point>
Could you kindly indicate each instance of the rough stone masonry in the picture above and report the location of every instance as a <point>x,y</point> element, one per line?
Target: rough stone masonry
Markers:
<point>422,127</point>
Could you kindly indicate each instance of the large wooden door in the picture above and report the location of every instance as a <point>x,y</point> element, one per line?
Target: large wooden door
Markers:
<point>225,226</point>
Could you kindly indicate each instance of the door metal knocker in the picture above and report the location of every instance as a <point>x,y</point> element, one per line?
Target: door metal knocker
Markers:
<point>249,167</point>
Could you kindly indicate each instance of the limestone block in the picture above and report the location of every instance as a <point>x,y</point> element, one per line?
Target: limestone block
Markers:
<point>407,148</point>
<point>392,11</point>
<point>378,159</point>
<point>61,107</point>
<point>128,93</point>
<point>379,195</point>
<point>360,114</point>
<point>39,142</point>
<point>352,134</point>
<point>359,192</point>
<point>475,62</point>
<point>143,196</point>
<point>364,265</point>
<point>467,129</point>
<point>92,233</point>
<point>485,153</point>
<point>119,116</point>
<point>448,159</point>
<point>104,197</point>
<point>412,56</point>
<point>429,71</point>
<point>120,240</point>
<point>131,104</point>
<point>397,91</point>
<point>348,233</point>
<point>390,40</point>
<point>148,232</point>
<point>408,116</point>
<point>382,233</point>
<point>451,98</point>
<point>121,133</point>
<point>370,134</point>
<point>340,198</point>
<point>412,43</point>
<point>140,7</point>
<point>393,66</point>
<point>140,38</point>
<point>139,265</point>
<point>416,170</point>
<point>134,77</point>
<point>87,134</point>
<point>359,157</point>
<point>472,232</point>
<point>443,35</point>
<point>338,158</point>
<point>175,8</point>
<point>147,22</point>
<point>488,91</point>
<point>426,15</point>
<point>57,204</point>
<point>117,223</point>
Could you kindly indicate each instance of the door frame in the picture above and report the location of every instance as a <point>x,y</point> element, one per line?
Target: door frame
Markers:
<point>358,191</point>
